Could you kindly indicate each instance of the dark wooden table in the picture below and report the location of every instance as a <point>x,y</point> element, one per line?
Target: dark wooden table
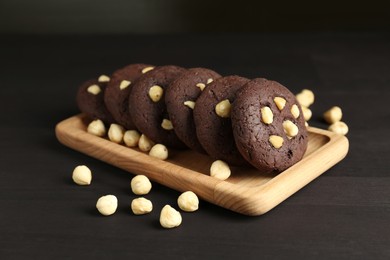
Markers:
<point>344,214</point>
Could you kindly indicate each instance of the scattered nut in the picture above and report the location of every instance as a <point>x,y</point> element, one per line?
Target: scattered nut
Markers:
<point>209,80</point>
<point>169,217</point>
<point>104,78</point>
<point>144,70</point>
<point>94,89</point>
<point>333,115</point>
<point>188,201</point>
<point>306,113</point>
<point>201,86</point>
<point>82,175</point>
<point>107,205</point>
<point>266,115</point>
<point>96,127</point>
<point>290,128</point>
<point>223,108</point>
<point>339,128</point>
<point>155,93</point>
<point>276,141</point>
<point>140,185</point>
<point>131,138</point>
<point>141,206</point>
<point>305,97</point>
<point>144,143</point>
<point>115,133</point>
<point>295,111</point>
<point>166,124</point>
<point>190,104</point>
<point>220,170</point>
<point>159,151</point>
<point>124,84</point>
<point>280,102</point>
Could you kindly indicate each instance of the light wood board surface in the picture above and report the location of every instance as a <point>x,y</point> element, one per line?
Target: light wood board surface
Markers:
<point>247,190</point>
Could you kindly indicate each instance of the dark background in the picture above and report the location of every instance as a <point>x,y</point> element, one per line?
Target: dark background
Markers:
<point>340,50</point>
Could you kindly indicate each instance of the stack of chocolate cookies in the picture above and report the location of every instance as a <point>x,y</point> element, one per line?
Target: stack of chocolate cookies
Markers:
<point>241,121</point>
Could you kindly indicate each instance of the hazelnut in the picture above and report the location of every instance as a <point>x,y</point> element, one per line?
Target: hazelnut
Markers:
<point>169,217</point>
<point>144,143</point>
<point>280,102</point>
<point>131,138</point>
<point>209,80</point>
<point>82,175</point>
<point>141,206</point>
<point>290,128</point>
<point>115,133</point>
<point>146,69</point>
<point>339,128</point>
<point>188,201</point>
<point>94,89</point>
<point>333,115</point>
<point>266,115</point>
<point>295,111</point>
<point>223,108</point>
<point>201,86</point>
<point>159,151</point>
<point>155,93</point>
<point>220,170</point>
<point>166,124</point>
<point>305,97</point>
<point>96,127</point>
<point>306,113</point>
<point>107,205</point>
<point>104,78</point>
<point>124,84</point>
<point>190,104</point>
<point>276,141</point>
<point>140,185</point>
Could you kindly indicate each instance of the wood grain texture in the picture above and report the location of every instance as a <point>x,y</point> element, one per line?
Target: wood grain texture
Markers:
<point>247,191</point>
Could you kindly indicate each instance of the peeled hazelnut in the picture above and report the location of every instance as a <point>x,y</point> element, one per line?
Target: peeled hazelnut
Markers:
<point>169,217</point>
<point>131,138</point>
<point>295,111</point>
<point>82,175</point>
<point>190,104</point>
<point>220,170</point>
<point>166,124</point>
<point>159,151</point>
<point>188,201</point>
<point>333,115</point>
<point>290,128</point>
<point>140,185</point>
<point>115,133</point>
<point>155,93</point>
<point>104,78</point>
<point>144,70</point>
<point>144,143</point>
<point>276,141</point>
<point>339,128</point>
<point>209,80</point>
<point>280,102</point>
<point>96,127</point>
<point>141,206</point>
<point>107,205</point>
<point>223,108</point>
<point>94,89</point>
<point>305,97</point>
<point>266,115</point>
<point>124,84</point>
<point>201,86</point>
<point>306,113</point>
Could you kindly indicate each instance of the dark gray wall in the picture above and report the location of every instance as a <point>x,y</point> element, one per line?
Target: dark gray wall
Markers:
<point>156,16</point>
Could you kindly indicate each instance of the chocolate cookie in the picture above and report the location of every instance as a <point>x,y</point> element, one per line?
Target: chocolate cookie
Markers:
<point>90,99</point>
<point>212,119</point>
<point>180,99</point>
<point>116,95</point>
<point>148,108</point>
<point>268,125</point>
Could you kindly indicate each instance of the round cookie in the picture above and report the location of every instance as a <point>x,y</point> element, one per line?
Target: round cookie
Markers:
<point>180,98</point>
<point>90,99</point>
<point>214,131</point>
<point>116,95</point>
<point>268,125</point>
<point>147,105</point>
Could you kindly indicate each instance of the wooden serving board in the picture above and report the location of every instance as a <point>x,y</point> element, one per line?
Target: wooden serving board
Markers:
<point>247,190</point>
